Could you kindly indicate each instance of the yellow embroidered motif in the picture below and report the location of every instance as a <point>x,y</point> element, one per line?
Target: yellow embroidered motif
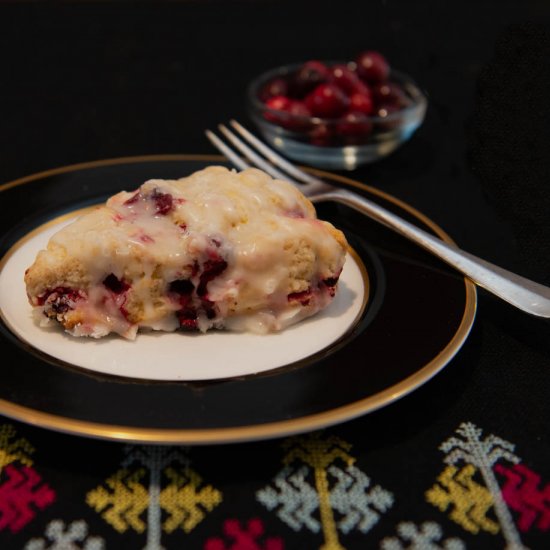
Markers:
<point>471,500</point>
<point>13,451</point>
<point>184,501</point>
<point>162,494</point>
<point>124,503</point>
<point>320,482</point>
<point>320,453</point>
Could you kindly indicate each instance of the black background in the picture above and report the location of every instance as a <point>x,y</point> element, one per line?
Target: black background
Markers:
<point>82,81</point>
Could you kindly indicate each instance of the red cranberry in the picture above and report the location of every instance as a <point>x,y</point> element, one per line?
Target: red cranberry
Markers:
<point>182,286</point>
<point>183,290</point>
<point>309,76</point>
<point>299,108</point>
<point>114,284</point>
<point>327,101</point>
<point>388,93</point>
<point>347,80</point>
<point>59,301</point>
<point>302,297</point>
<point>331,281</point>
<point>372,66</point>
<point>292,113</point>
<point>187,317</point>
<point>355,125</point>
<point>211,269</point>
<point>361,103</point>
<point>277,103</point>
<point>60,306</point>
<point>209,309</point>
<point>163,202</point>
<point>298,117</point>
<point>133,199</point>
<point>273,88</point>
<point>330,284</point>
<point>321,135</point>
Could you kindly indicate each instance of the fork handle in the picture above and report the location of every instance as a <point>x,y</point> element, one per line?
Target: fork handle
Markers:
<point>526,295</point>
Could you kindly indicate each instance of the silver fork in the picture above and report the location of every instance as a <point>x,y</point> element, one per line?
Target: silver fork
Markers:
<point>526,295</point>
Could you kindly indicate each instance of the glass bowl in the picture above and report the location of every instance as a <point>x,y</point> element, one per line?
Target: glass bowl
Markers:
<point>342,143</point>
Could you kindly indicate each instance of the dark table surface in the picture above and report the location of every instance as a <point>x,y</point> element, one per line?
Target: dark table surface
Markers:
<point>82,81</point>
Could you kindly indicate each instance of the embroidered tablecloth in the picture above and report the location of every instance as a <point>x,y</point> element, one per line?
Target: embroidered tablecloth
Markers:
<point>462,462</point>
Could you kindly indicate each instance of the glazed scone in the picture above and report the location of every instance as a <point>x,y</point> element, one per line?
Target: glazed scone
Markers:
<point>216,249</point>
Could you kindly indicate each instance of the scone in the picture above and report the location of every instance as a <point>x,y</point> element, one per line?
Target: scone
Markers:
<point>217,249</point>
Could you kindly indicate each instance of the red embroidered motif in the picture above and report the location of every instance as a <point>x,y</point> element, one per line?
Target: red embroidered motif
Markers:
<point>244,539</point>
<point>22,489</point>
<point>522,495</point>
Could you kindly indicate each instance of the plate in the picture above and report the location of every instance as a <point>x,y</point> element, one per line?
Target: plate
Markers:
<point>408,314</point>
<point>210,356</point>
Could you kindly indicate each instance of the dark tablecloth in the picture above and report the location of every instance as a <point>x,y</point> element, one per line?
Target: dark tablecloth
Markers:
<point>464,461</point>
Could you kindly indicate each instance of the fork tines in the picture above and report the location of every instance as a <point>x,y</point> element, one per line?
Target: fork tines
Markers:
<point>256,152</point>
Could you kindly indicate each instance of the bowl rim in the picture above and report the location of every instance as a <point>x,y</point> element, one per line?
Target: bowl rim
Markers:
<point>418,96</point>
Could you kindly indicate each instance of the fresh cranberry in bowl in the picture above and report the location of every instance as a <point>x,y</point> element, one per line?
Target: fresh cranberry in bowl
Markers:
<point>321,135</point>
<point>278,87</point>
<point>372,66</point>
<point>387,93</point>
<point>308,76</point>
<point>327,101</point>
<point>356,126</point>
<point>347,80</point>
<point>288,113</point>
<point>361,103</point>
<point>336,114</point>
